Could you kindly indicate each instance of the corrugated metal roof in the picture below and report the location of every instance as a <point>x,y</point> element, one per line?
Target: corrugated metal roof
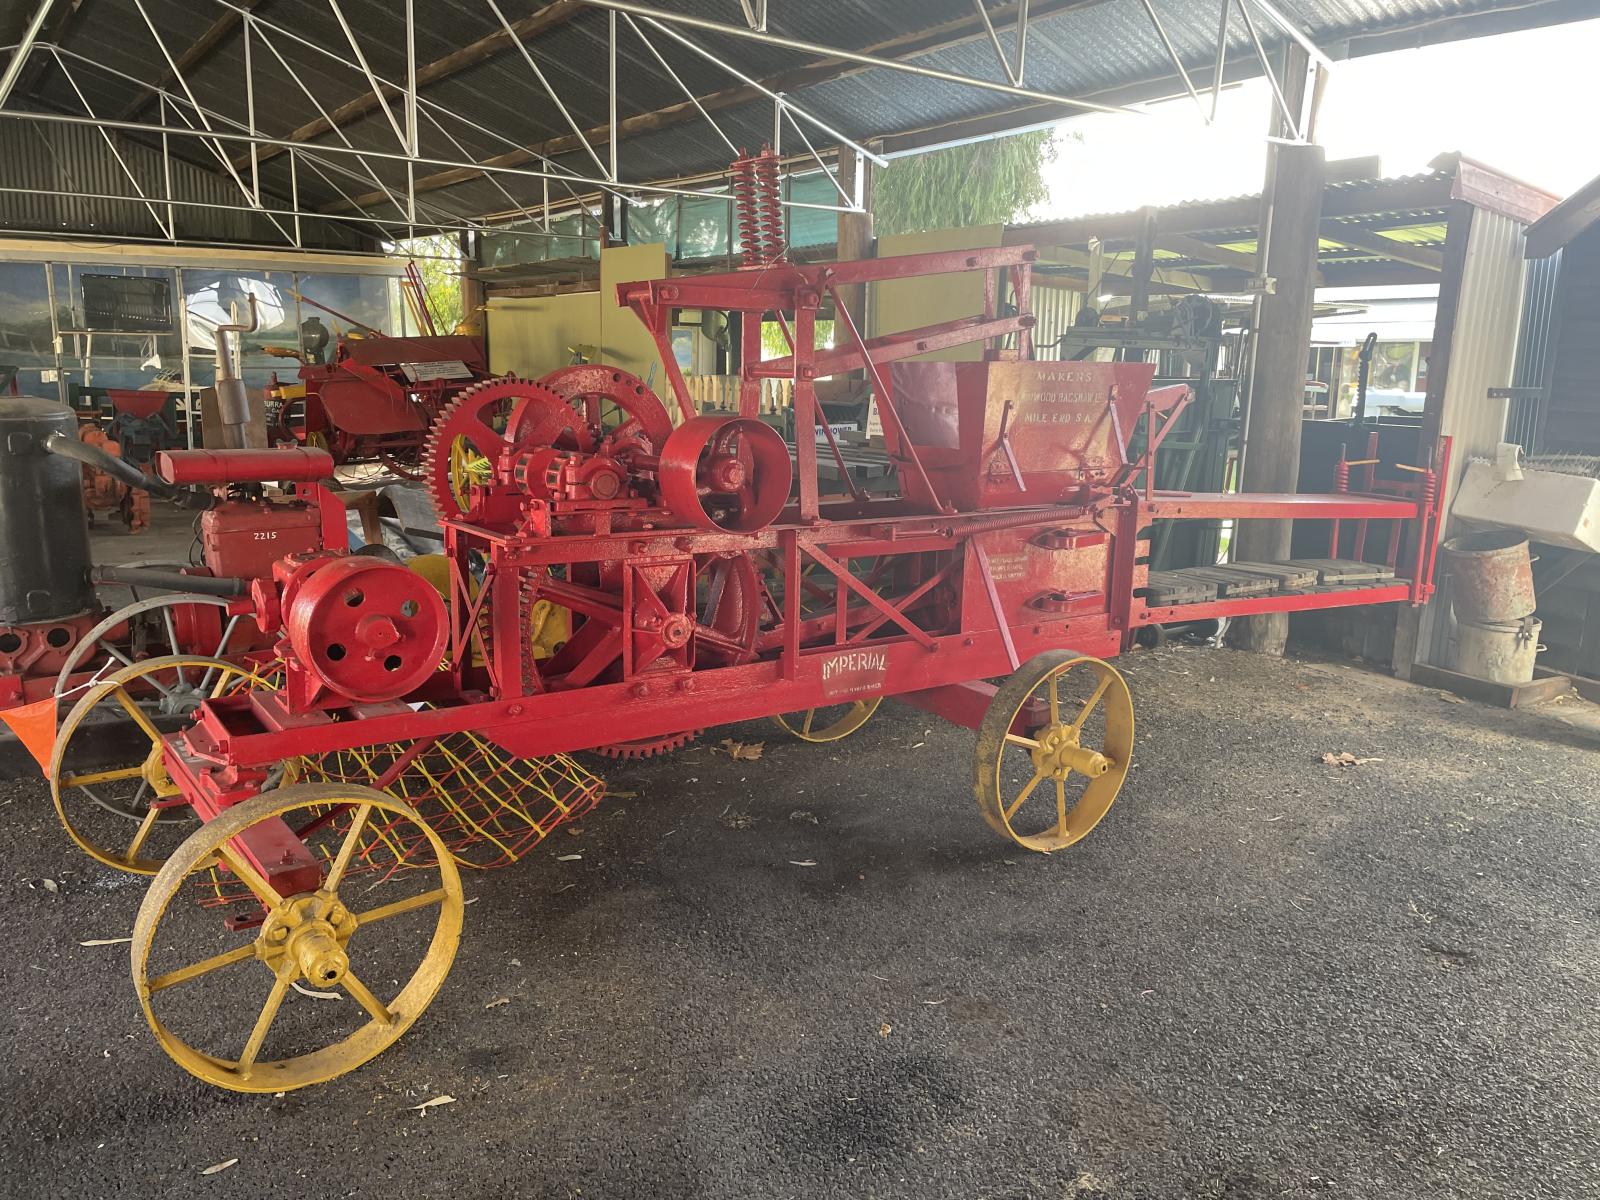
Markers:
<point>1087,48</point>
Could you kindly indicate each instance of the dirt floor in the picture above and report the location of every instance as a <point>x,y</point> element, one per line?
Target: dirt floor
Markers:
<point>1261,976</point>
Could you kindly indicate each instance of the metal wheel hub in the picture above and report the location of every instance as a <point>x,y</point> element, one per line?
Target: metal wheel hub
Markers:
<point>180,700</point>
<point>310,931</point>
<point>154,772</point>
<point>1059,753</point>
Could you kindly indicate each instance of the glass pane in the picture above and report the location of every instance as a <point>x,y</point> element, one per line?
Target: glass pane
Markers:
<point>654,221</point>
<point>334,305</point>
<point>93,360</point>
<point>704,228</point>
<point>573,236</point>
<point>25,332</point>
<point>222,297</point>
<point>809,226</point>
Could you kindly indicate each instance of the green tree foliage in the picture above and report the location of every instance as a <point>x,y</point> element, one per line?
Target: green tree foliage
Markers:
<point>438,259</point>
<point>775,343</point>
<point>981,183</point>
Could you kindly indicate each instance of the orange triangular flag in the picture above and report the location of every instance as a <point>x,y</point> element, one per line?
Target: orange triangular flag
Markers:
<point>35,727</point>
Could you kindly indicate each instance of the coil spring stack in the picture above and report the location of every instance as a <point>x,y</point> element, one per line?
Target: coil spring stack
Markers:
<point>758,200</point>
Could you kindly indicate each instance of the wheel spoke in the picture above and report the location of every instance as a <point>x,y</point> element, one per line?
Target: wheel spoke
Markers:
<point>227,635</point>
<point>143,834</point>
<point>811,715</point>
<point>1023,795</point>
<point>714,637</point>
<point>251,878</point>
<point>110,776</point>
<point>366,999</point>
<point>140,717</point>
<point>1055,700</point>
<point>347,848</point>
<point>1061,805</point>
<point>394,909</point>
<point>1016,739</point>
<point>172,639</point>
<point>1093,700</point>
<point>204,967</point>
<point>269,1010</point>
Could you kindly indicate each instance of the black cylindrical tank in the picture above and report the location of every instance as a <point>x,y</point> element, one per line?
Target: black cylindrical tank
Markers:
<point>44,538</point>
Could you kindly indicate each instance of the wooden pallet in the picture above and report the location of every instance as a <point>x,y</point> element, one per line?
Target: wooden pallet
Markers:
<point>1344,570</point>
<point>1287,576</point>
<point>1163,588</point>
<point>1234,581</point>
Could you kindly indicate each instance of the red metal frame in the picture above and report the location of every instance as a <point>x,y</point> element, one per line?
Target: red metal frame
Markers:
<point>853,596</point>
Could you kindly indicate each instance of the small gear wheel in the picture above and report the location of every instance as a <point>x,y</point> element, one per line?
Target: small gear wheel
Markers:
<point>648,747</point>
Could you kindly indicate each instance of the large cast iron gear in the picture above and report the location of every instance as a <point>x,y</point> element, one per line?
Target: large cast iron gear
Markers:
<point>464,435</point>
<point>587,387</point>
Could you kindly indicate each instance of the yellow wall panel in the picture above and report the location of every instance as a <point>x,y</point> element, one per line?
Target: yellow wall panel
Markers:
<point>532,335</point>
<point>899,304</point>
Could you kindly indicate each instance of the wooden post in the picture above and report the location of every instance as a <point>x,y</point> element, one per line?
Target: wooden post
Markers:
<point>472,293</point>
<point>1270,447</point>
<point>854,234</point>
<point>1144,264</point>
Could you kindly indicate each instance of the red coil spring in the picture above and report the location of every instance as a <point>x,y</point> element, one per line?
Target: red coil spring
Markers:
<point>1341,476</point>
<point>758,202</point>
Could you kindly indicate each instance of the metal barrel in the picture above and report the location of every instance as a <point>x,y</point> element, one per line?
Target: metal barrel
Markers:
<point>1491,576</point>
<point>1499,651</point>
<point>44,537</point>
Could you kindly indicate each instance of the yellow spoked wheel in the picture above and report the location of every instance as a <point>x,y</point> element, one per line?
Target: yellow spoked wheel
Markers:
<point>467,467</point>
<point>110,787</point>
<point>1049,786</point>
<point>295,999</point>
<point>830,722</point>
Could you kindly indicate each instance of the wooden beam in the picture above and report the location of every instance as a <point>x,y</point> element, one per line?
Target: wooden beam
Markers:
<point>1483,187</point>
<point>558,12</point>
<point>1367,239</point>
<point>33,74</point>
<point>825,70</point>
<point>1192,247</point>
<point>203,47</point>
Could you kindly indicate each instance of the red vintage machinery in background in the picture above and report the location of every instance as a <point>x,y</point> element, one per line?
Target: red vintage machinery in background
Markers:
<point>375,397</point>
<point>685,589</point>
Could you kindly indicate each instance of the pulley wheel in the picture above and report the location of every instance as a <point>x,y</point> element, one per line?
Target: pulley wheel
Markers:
<point>370,630</point>
<point>728,473</point>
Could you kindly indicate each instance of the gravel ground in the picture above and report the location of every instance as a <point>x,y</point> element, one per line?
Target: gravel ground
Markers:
<point>1261,976</point>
